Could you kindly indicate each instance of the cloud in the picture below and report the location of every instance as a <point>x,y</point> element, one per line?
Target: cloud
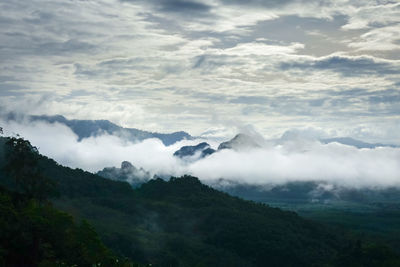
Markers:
<point>373,16</point>
<point>333,163</point>
<point>184,6</point>
<point>262,49</point>
<point>170,65</point>
<point>294,158</point>
<point>346,66</point>
<point>249,100</point>
<point>379,39</point>
<point>187,7</point>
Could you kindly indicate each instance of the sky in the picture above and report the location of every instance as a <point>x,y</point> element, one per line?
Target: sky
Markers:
<point>207,67</point>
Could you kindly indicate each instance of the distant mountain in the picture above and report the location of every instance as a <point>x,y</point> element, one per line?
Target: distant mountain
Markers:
<point>86,128</point>
<point>354,142</point>
<point>203,149</point>
<point>240,142</point>
<point>127,173</point>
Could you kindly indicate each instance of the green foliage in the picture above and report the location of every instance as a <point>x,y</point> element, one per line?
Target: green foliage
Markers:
<point>184,223</point>
<point>34,234</point>
<point>377,220</point>
<point>22,165</point>
<point>32,231</point>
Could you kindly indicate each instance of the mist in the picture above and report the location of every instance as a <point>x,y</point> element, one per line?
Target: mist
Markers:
<point>276,162</point>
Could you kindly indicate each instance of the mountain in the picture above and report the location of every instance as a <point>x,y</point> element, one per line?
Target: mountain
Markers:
<point>182,222</point>
<point>354,142</point>
<point>240,142</point>
<point>127,173</point>
<point>86,128</point>
<point>203,149</point>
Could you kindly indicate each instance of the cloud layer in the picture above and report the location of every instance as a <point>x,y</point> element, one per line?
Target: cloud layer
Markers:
<point>296,157</point>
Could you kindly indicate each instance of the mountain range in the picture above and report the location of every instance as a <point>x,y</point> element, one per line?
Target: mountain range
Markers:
<point>87,128</point>
<point>354,142</point>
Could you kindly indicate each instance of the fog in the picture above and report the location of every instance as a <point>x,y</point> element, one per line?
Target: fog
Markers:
<point>276,162</point>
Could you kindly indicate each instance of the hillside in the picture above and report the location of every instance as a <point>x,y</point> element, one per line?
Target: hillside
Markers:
<point>185,223</point>
<point>34,232</point>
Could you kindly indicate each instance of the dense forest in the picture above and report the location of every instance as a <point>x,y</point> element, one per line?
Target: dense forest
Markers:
<point>56,216</point>
<point>372,211</point>
<point>34,232</point>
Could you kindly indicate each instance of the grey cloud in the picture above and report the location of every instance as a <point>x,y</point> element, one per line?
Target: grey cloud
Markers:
<point>353,92</point>
<point>70,46</point>
<point>371,103</point>
<point>182,7</point>
<point>329,103</point>
<point>360,93</point>
<point>199,61</point>
<point>115,63</point>
<point>320,37</point>
<point>108,68</point>
<point>260,3</point>
<point>39,18</point>
<point>285,105</point>
<point>386,96</point>
<point>346,66</point>
<point>7,89</point>
<point>251,110</point>
<point>208,62</point>
<point>317,102</point>
<point>81,70</point>
<point>7,78</point>
<point>217,98</point>
<point>79,92</point>
<point>249,100</point>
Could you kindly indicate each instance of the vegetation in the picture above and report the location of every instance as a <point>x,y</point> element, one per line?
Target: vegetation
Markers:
<point>33,232</point>
<point>372,212</point>
<point>176,223</point>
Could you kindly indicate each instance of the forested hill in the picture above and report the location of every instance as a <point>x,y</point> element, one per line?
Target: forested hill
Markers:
<point>32,231</point>
<point>182,222</point>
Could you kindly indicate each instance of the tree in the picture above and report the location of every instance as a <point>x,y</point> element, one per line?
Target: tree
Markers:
<point>22,164</point>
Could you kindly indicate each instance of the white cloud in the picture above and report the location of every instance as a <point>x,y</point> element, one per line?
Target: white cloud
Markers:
<point>385,39</point>
<point>295,159</point>
<point>368,16</point>
<point>261,49</point>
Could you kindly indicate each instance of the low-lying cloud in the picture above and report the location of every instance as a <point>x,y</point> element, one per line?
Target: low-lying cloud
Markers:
<point>290,159</point>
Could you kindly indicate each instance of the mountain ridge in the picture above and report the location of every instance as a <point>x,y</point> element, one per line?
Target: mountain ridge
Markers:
<point>349,141</point>
<point>87,128</point>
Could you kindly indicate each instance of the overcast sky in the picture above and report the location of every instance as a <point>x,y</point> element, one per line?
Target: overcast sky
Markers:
<point>207,66</point>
